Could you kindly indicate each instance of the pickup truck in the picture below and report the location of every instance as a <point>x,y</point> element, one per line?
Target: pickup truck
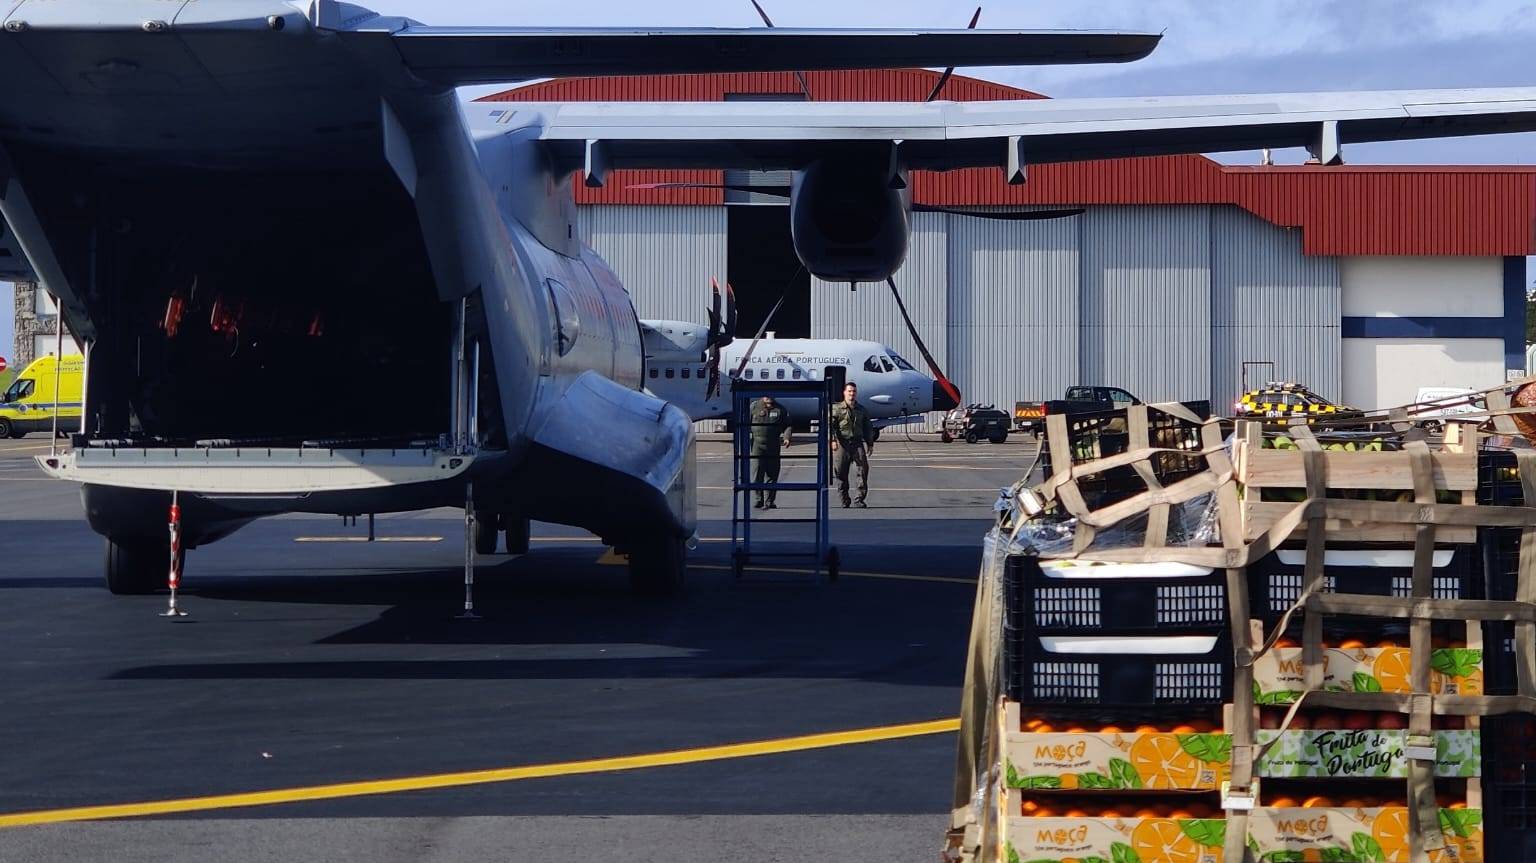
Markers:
<point>1030,416</point>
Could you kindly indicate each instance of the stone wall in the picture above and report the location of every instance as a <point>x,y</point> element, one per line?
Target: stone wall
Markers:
<point>29,325</point>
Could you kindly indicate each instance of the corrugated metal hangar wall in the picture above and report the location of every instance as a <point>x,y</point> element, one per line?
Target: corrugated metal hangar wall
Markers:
<point>1166,301</point>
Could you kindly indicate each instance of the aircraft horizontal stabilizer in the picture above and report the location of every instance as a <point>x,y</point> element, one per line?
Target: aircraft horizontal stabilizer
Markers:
<point>489,55</point>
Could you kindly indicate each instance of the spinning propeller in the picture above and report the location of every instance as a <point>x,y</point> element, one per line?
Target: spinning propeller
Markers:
<point>722,331</point>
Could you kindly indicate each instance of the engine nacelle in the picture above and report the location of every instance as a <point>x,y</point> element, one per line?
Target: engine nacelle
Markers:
<point>848,224</point>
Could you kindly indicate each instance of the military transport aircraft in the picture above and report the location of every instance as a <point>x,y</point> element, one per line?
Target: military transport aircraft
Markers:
<point>310,280</point>
<point>678,371</point>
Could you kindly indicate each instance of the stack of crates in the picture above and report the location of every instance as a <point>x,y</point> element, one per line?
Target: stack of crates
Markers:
<point>1509,752</point>
<point>1118,683</point>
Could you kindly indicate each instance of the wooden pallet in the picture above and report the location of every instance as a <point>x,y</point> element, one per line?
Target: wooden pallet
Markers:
<point>1388,474</point>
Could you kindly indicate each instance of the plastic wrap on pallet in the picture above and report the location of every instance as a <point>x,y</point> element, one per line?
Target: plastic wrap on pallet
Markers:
<point>979,778</point>
<point>1193,523</point>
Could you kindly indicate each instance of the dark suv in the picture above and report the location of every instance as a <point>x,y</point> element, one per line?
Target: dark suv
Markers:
<point>974,422</point>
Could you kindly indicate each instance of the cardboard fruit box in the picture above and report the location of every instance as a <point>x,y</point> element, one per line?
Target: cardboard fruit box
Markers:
<point>1378,835</point>
<point>1124,761</point>
<point>1115,840</point>
<point>1279,676</point>
<point>1364,754</point>
<point>1352,834</point>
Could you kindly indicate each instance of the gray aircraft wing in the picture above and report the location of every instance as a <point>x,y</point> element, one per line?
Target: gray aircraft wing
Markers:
<point>942,135</point>
<point>13,262</point>
<point>488,55</point>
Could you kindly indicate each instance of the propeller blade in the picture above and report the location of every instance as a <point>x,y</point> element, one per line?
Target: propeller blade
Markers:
<point>950,72</point>
<point>805,86</point>
<point>759,337</point>
<point>714,312</point>
<point>1013,216</point>
<point>933,366</point>
<point>730,313</point>
<point>768,22</point>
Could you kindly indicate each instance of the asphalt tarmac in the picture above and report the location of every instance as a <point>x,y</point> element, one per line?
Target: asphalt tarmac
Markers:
<point>571,721</point>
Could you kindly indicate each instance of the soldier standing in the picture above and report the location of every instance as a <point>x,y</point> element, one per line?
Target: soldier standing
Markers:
<point>853,439</point>
<point>770,431</point>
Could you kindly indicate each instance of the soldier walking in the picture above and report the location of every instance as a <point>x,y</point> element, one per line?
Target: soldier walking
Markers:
<point>770,432</point>
<point>853,439</point>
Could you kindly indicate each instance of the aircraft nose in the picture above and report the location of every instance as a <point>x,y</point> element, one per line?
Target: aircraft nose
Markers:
<point>941,399</point>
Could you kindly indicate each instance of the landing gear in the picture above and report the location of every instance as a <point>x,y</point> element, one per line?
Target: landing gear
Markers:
<point>656,566</point>
<point>136,567</point>
<point>517,534</point>
<point>487,533</point>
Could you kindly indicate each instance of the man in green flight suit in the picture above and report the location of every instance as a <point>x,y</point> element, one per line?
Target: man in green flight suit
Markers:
<point>770,431</point>
<point>853,440</point>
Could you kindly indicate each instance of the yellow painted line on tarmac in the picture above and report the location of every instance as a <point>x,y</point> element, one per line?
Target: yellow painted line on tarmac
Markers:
<point>889,576</point>
<point>777,746</point>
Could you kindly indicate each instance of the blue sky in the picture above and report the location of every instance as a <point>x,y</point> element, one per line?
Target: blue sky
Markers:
<point>1209,47</point>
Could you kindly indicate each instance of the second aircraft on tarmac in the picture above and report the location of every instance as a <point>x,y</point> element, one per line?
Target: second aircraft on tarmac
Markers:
<point>677,371</point>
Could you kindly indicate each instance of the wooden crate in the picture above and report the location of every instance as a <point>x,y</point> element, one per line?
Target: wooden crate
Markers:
<point>1386,473</point>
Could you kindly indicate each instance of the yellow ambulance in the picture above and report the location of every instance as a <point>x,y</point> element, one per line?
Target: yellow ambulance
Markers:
<point>27,405</point>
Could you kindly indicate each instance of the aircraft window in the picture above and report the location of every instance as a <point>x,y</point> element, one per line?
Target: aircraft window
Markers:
<point>567,317</point>
<point>901,363</point>
<point>701,371</point>
<point>747,374</point>
<point>887,363</point>
<point>655,372</point>
<point>797,374</point>
<point>19,390</point>
<point>671,374</point>
<point>780,375</point>
<point>686,373</point>
<point>872,365</point>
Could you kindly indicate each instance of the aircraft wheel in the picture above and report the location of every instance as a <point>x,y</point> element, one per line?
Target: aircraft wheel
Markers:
<point>970,437</point>
<point>517,534</point>
<point>7,430</point>
<point>137,568</point>
<point>656,566</point>
<point>487,533</point>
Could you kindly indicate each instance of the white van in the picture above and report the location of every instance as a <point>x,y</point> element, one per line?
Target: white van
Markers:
<point>1435,394</point>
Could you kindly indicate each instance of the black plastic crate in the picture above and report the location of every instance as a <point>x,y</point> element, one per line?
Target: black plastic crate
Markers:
<point>1500,550</point>
<point>1038,676</point>
<point>1276,580</point>
<point>1509,788</point>
<point>1111,675</point>
<point>1498,479</point>
<point>1050,603</point>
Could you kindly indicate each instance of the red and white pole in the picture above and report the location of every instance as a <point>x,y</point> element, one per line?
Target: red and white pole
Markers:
<point>173,579</point>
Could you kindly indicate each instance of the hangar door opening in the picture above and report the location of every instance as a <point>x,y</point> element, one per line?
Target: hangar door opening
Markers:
<point>762,266</point>
<point>760,256</point>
